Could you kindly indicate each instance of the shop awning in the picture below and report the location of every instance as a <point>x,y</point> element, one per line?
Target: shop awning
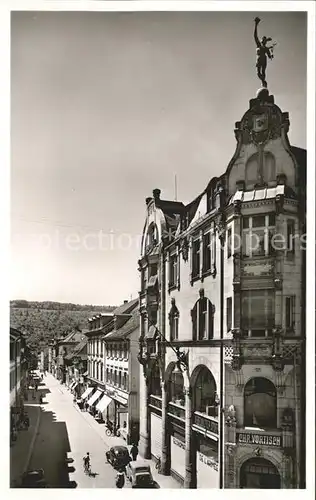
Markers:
<point>74,386</point>
<point>87,392</point>
<point>73,383</point>
<point>103,403</point>
<point>94,397</point>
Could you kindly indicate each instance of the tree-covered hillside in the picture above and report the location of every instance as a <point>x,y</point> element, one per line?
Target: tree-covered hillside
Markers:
<point>47,320</point>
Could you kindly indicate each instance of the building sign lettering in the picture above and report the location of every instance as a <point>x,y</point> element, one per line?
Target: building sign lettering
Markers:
<point>245,438</point>
<point>208,461</point>
<point>179,443</point>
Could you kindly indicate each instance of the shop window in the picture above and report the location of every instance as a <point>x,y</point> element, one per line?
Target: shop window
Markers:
<point>196,258</point>
<point>203,319</point>
<point>260,404</point>
<point>290,313</point>
<point>229,313</point>
<point>208,448</point>
<point>173,270</point>
<point>174,321</point>
<point>257,235</point>
<point>290,237</point>
<point>176,387</point>
<point>258,312</point>
<point>207,252</point>
<point>205,396</point>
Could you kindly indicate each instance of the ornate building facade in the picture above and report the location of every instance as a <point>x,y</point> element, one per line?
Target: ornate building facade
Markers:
<point>222,297</point>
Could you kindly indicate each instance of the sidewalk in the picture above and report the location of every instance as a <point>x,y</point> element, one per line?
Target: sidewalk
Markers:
<point>21,449</point>
<point>163,481</point>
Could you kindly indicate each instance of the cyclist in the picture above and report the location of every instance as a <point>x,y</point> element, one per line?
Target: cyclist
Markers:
<point>86,462</point>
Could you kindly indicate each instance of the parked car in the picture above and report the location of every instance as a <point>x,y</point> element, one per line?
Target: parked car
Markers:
<point>139,474</point>
<point>34,479</point>
<point>118,456</point>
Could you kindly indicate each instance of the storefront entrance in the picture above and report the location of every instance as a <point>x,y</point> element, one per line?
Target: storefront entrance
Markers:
<point>259,473</point>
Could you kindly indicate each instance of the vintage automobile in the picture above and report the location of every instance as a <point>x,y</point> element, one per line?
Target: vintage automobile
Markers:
<point>118,456</point>
<point>139,474</point>
<point>34,479</point>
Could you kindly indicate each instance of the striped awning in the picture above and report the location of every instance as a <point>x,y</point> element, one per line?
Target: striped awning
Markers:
<point>94,397</point>
<point>103,403</point>
<point>72,384</point>
<point>87,393</point>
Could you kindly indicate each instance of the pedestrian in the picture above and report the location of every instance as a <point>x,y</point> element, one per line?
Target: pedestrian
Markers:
<point>86,406</point>
<point>134,452</point>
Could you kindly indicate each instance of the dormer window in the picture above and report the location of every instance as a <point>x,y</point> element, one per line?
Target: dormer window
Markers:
<point>152,236</point>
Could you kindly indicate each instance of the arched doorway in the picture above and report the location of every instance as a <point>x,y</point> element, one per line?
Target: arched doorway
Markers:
<point>260,403</point>
<point>259,473</point>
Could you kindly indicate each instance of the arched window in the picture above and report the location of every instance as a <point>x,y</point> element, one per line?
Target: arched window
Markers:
<point>176,387</point>
<point>260,403</point>
<point>204,392</point>
<point>252,171</point>
<point>174,321</point>
<point>203,319</point>
<point>268,170</point>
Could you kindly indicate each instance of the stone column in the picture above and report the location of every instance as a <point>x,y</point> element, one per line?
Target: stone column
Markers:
<point>165,441</point>
<point>145,434</point>
<point>188,479</point>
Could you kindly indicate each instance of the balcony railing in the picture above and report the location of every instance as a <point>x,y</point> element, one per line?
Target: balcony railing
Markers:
<point>176,410</point>
<point>205,422</point>
<point>155,402</point>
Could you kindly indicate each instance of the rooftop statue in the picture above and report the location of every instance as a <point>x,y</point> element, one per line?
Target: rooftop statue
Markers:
<point>262,52</point>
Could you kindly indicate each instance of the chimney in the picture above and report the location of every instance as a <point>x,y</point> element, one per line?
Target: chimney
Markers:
<point>125,301</point>
<point>156,194</point>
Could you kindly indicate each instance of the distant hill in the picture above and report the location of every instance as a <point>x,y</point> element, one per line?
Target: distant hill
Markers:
<point>46,320</point>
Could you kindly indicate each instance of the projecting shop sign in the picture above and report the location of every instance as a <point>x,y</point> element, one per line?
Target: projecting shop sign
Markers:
<point>268,440</point>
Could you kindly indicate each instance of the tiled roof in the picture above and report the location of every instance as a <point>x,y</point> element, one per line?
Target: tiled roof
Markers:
<point>73,337</point>
<point>130,325</point>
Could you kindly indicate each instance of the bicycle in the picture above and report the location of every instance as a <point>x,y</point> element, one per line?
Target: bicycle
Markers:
<point>158,465</point>
<point>87,468</point>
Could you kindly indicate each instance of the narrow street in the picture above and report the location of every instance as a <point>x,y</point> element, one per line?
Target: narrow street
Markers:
<point>64,433</point>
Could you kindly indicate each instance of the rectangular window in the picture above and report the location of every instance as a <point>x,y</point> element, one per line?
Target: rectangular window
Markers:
<point>196,259</point>
<point>290,236</point>
<point>144,279</point>
<point>290,312</point>
<point>153,270</point>
<point>207,252</point>
<point>229,313</point>
<point>173,270</point>
<point>229,242</point>
<point>258,312</point>
<point>257,234</point>
<point>174,327</point>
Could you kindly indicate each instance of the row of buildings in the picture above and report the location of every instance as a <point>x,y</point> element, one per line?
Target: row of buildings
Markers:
<point>207,367</point>
<point>21,361</point>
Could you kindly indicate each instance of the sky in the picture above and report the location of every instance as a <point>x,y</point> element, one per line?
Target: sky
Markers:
<point>106,107</point>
